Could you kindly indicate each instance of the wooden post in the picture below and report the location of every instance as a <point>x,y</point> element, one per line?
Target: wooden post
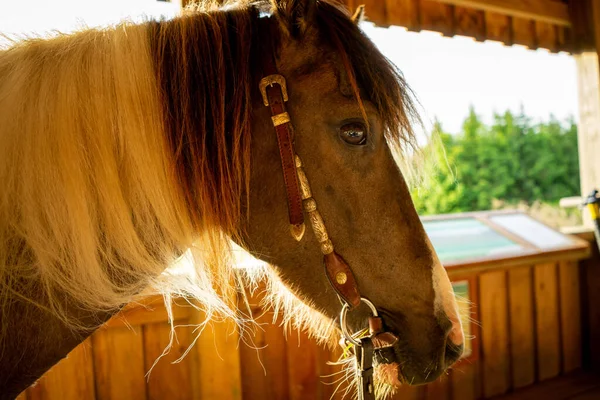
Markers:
<point>588,133</point>
<point>586,37</point>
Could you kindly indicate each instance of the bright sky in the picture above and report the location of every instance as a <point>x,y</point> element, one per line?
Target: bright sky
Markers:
<point>450,74</point>
<point>447,74</point>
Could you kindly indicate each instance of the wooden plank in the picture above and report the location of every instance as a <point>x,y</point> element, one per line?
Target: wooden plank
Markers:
<point>254,373</point>
<point>167,380</point>
<point>335,387</point>
<point>149,311</point>
<point>216,370</point>
<point>590,289</point>
<point>264,361</point>
<point>303,370</point>
<point>464,381</point>
<point>546,36</point>
<point>119,363</point>
<point>563,387</point>
<point>524,32</point>
<point>436,17</point>
<point>498,27</point>
<point>468,22</point>
<point>522,327</point>
<point>329,373</point>
<point>494,333</point>
<point>570,316</point>
<point>547,321</point>
<point>71,379</point>
<point>539,10</point>
<point>439,389</point>
<point>592,394</point>
<point>406,392</point>
<point>403,13</point>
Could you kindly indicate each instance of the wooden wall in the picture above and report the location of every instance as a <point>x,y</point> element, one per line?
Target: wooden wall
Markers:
<point>530,325</point>
<point>528,329</point>
<point>112,363</point>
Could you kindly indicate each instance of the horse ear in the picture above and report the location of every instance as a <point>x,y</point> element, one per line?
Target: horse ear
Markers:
<point>359,14</point>
<point>295,16</point>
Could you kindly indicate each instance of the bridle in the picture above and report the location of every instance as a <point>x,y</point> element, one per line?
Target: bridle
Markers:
<point>274,94</point>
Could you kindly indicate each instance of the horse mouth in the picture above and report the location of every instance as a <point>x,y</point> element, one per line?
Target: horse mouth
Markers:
<point>398,362</point>
<point>394,367</point>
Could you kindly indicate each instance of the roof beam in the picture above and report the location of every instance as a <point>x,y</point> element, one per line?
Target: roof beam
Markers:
<point>540,10</point>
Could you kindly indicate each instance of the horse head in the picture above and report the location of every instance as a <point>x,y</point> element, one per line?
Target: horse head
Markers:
<point>350,110</point>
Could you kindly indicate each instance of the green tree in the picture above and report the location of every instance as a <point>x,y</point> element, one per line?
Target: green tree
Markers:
<point>512,160</point>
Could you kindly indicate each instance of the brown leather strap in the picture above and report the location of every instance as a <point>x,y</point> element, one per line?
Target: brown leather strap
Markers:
<point>364,365</point>
<point>275,97</point>
<point>381,339</point>
<point>341,278</point>
<point>375,325</point>
<point>285,140</point>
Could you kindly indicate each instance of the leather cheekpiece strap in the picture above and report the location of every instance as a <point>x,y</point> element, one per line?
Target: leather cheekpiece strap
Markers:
<point>341,278</point>
<point>286,151</point>
<point>274,92</point>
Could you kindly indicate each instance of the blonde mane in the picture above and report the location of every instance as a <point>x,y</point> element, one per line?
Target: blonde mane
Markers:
<point>92,205</point>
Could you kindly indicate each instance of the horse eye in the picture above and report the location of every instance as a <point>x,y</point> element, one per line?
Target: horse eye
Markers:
<point>354,133</point>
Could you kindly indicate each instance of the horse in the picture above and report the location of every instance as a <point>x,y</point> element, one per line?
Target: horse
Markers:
<point>123,148</point>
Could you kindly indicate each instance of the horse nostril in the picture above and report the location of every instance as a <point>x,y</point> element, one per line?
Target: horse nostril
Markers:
<point>445,324</point>
<point>453,348</point>
<point>452,353</point>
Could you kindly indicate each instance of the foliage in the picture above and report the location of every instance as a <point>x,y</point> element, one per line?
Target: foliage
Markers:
<point>513,160</point>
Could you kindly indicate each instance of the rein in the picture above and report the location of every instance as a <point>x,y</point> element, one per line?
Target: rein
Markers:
<point>274,94</point>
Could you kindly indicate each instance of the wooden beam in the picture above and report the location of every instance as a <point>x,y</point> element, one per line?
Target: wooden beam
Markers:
<point>436,17</point>
<point>403,13</point>
<point>469,22</point>
<point>539,10</point>
<point>498,27</point>
<point>581,34</point>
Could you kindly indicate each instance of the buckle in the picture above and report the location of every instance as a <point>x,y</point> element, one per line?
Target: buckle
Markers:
<point>269,81</point>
